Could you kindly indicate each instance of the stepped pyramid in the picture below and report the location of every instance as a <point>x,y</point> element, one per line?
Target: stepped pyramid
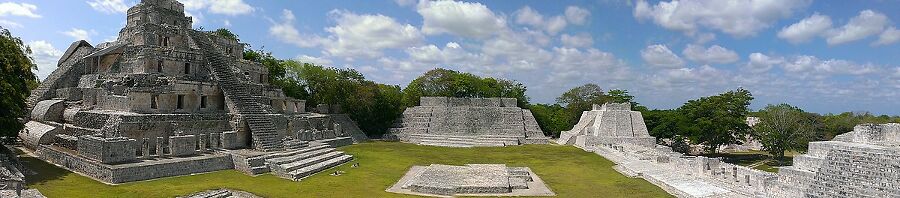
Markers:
<point>467,122</point>
<point>608,124</point>
<point>166,100</point>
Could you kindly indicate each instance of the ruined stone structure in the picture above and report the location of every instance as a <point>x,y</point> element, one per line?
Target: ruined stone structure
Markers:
<point>607,124</point>
<point>471,180</point>
<point>222,193</point>
<point>467,122</point>
<point>861,163</point>
<point>165,100</point>
<point>12,180</point>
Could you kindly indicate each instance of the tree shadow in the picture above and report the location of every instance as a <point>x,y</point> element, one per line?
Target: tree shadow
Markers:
<point>39,171</point>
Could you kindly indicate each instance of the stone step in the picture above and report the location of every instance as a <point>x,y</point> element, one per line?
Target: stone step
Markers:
<point>315,168</point>
<point>445,144</point>
<point>316,158</point>
<point>291,153</point>
<point>305,154</point>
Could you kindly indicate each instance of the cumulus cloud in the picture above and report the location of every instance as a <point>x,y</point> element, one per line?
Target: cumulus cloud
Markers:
<point>806,29</point>
<point>78,34</point>
<point>713,55</point>
<point>577,15</point>
<point>226,7</point>
<point>689,77</point>
<point>531,17</point>
<point>45,57</point>
<point>660,56</point>
<point>18,9</point>
<point>286,32</point>
<point>577,40</point>
<point>736,18</point>
<point>109,6</point>
<point>314,60</point>
<point>889,36</point>
<point>465,19</point>
<point>404,3</point>
<point>810,66</point>
<point>366,35</point>
<point>866,24</point>
<point>760,63</point>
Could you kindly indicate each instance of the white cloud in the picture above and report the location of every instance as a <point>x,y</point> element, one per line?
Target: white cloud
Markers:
<point>713,55</point>
<point>226,7</point>
<point>577,40</point>
<point>78,34</point>
<point>286,32</point>
<point>45,57</point>
<point>889,36</point>
<point>109,6</point>
<point>196,19</point>
<point>866,24</point>
<point>366,35</point>
<point>18,9</point>
<point>806,29</point>
<point>689,77</point>
<point>226,23</point>
<point>518,51</point>
<point>737,18</point>
<point>552,25</point>
<point>315,60</point>
<point>760,63</point>
<point>466,19</point>
<point>9,24</point>
<point>810,66</point>
<point>577,15</point>
<point>660,56</point>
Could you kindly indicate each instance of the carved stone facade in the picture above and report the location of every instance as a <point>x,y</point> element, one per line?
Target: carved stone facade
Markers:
<point>164,95</point>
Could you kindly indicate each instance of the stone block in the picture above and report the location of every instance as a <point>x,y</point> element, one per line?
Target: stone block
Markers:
<point>48,110</point>
<point>184,145</point>
<point>107,150</point>
<point>230,140</point>
<point>509,102</point>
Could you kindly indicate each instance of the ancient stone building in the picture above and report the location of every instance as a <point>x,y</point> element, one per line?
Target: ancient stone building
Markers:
<point>607,124</point>
<point>165,100</point>
<point>861,163</point>
<point>466,122</point>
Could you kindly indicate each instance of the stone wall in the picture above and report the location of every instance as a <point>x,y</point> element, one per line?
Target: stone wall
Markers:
<point>107,150</point>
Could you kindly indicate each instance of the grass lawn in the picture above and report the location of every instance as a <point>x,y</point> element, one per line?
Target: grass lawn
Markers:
<point>568,171</point>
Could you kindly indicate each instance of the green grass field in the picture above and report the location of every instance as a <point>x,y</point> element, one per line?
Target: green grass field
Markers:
<point>568,171</point>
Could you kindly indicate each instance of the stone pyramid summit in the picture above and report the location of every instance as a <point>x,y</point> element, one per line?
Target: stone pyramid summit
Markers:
<point>607,124</point>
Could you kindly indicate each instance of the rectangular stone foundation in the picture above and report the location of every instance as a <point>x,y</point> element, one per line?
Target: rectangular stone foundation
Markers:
<point>115,174</point>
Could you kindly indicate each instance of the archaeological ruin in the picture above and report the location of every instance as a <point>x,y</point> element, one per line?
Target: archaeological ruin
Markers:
<point>861,163</point>
<point>167,100</point>
<point>467,122</point>
<point>471,180</point>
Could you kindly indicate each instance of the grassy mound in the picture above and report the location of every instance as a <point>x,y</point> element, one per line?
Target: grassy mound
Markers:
<point>568,171</point>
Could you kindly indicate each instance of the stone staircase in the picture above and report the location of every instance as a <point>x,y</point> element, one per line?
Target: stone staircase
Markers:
<point>462,140</point>
<point>237,95</point>
<point>303,163</point>
<point>294,164</point>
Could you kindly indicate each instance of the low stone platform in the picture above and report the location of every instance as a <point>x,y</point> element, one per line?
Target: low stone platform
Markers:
<point>439,180</point>
<point>222,193</point>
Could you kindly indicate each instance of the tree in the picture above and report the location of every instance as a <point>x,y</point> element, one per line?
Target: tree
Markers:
<point>580,99</point>
<point>622,96</point>
<point>448,83</point>
<point>717,120</point>
<point>552,119</point>
<point>783,127</point>
<point>15,78</point>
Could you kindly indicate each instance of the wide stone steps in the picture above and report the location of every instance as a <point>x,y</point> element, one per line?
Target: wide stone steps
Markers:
<point>315,158</point>
<point>321,166</point>
<point>300,156</point>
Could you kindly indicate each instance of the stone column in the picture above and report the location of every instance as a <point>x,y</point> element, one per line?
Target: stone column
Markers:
<point>214,141</point>
<point>159,147</point>
<point>151,148</point>
<point>338,130</point>
<point>203,139</point>
<point>145,148</point>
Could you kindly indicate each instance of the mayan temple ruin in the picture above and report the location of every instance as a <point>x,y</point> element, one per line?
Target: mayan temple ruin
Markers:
<point>861,163</point>
<point>467,122</point>
<point>471,180</point>
<point>167,100</point>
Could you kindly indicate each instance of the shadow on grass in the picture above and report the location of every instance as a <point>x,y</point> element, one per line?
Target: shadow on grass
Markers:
<point>42,171</point>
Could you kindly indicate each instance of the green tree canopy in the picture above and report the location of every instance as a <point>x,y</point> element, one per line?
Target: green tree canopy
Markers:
<point>448,83</point>
<point>784,127</point>
<point>717,120</point>
<point>15,79</point>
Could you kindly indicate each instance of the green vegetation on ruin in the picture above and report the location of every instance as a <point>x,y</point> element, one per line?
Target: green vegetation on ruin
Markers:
<point>568,171</point>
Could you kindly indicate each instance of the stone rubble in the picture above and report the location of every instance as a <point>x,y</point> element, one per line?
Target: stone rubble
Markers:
<point>471,180</point>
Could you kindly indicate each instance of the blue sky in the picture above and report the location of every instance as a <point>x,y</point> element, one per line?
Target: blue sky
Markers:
<point>823,56</point>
